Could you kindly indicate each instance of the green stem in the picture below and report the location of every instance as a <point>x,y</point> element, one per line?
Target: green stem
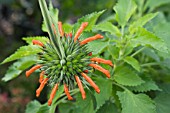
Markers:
<point>120,86</point>
<point>150,64</point>
<point>138,51</point>
<point>53,107</point>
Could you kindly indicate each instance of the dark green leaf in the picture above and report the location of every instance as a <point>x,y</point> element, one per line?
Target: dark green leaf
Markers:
<point>152,4</point>
<point>127,76</point>
<point>84,106</point>
<point>136,103</point>
<point>108,107</point>
<point>105,86</point>
<point>33,107</point>
<point>147,86</point>
<point>162,103</point>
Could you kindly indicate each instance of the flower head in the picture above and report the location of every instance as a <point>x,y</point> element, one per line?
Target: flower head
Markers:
<point>70,69</point>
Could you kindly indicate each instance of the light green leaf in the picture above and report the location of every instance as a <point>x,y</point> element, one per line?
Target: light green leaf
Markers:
<point>43,39</point>
<point>124,10</point>
<point>114,51</point>
<point>147,86</point>
<point>90,18</point>
<point>133,62</point>
<point>108,107</point>
<point>33,107</point>
<point>23,52</point>
<point>141,22</point>
<point>108,27</point>
<point>146,38</point>
<point>17,68</point>
<point>67,28</point>
<point>136,103</point>
<point>105,85</point>
<point>126,76</point>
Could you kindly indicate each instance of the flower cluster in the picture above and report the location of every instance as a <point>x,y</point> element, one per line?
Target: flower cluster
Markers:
<point>75,66</point>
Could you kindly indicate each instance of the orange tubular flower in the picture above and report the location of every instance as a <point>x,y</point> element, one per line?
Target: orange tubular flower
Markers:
<point>77,59</point>
<point>52,94</point>
<point>60,28</point>
<point>83,93</point>
<point>38,91</point>
<point>90,81</point>
<point>100,60</point>
<point>98,36</point>
<point>37,42</point>
<point>106,72</point>
<point>80,30</point>
<point>67,92</point>
<point>29,72</point>
<point>41,76</point>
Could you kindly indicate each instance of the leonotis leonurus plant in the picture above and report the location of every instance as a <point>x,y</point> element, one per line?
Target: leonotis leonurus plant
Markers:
<point>65,60</point>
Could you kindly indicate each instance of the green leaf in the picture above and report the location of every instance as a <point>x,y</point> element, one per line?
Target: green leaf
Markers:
<point>96,46</point>
<point>146,38</point>
<point>126,76</point>
<point>108,107</point>
<point>133,62</point>
<point>43,39</point>
<point>105,86</point>
<point>114,51</point>
<point>17,68</point>
<point>108,27</point>
<point>90,18</point>
<point>124,10</point>
<point>44,109</point>
<point>147,86</point>
<point>33,107</point>
<point>67,28</point>
<point>162,103</point>
<point>152,4</point>
<point>136,103</point>
<point>84,106</point>
<point>141,22</point>
<point>67,107</point>
<point>23,52</point>
<point>162,31</point>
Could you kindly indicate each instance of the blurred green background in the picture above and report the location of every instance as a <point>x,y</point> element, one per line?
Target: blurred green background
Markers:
<point>22,18</point>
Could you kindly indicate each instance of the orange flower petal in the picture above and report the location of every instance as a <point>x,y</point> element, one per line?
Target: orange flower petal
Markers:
<point>52,94</point>
<point>100,60</point>
<point>83,93</point>
<point>67,92</point>
<point>80,30</point>
<point>29,72</point>
<point>90,81</point>
<point>106,72</point>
